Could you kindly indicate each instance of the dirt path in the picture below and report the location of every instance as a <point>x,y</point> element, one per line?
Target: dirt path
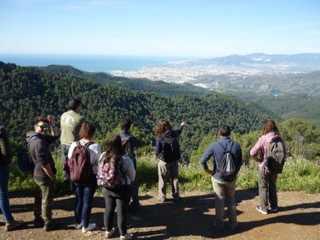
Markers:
<point>191,218</point>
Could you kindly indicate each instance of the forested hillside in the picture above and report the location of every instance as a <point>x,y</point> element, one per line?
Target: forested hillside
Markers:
<point>302,106</point>
<point>27,92</point>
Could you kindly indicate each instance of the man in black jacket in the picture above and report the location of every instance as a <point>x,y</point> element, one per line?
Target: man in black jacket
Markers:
<point>44,171</point>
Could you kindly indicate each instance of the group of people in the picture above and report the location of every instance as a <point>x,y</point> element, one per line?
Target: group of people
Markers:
<point>75,130</point>
<point>224,189</point>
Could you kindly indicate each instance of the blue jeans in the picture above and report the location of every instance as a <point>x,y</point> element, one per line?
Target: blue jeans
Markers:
<point>4,196</point>
<point>83,204</point>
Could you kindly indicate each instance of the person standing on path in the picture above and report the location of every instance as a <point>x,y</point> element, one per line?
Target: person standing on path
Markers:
<point>131,144</point>
<point>267,181</point>
<point>119,196</point>
<point>70,123</point>
<point>5,160</point>
<point>166,136</point>
<point>224,188</point>
<point>44,171</point>
<point>85,190</point>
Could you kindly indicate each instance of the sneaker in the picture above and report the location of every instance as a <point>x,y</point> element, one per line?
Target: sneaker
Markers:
<point>38,223</point>
<point>90,227</point>
<point>258,208</point>
<point>273,210</point>
<point>53,225</point>
<point>78,226</point>
<point>10,226</point>
<point>161,199</point>
<point>110,233</point>
<point>128,236</point>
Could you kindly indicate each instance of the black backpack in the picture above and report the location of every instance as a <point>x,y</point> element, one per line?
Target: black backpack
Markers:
<point>227,168</point>
<point>276,154</point>
<point>128,145</point>
<point>25,163</point>
<point>170,149</point>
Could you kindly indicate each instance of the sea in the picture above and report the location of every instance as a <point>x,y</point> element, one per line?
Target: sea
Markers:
<point>89,63</point>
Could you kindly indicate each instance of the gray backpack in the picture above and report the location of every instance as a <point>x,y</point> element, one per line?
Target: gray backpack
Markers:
<point>276,154</point>
<point>227,168</point>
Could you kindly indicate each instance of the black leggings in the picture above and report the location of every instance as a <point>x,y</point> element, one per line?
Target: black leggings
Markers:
<point>119,199</point>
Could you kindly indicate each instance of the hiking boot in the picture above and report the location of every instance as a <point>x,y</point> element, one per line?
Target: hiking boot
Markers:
<point>90,227</point>
<point>259,209</point>
<point>110,233</point>
<point>38,223</point>
<point>53,225</point>
<point>128,236</point>
<point>10,226</point>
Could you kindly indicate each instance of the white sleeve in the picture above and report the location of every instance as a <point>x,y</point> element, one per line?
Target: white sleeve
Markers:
<point>72,146</point>
<point>95,152</point>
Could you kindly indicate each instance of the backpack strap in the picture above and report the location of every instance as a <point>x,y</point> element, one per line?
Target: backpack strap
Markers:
<point>225,149</point>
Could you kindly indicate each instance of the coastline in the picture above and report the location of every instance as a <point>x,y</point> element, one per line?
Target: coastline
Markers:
<point>89,63</point>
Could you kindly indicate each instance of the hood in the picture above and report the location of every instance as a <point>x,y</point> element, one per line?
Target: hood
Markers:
<point>30,134</point>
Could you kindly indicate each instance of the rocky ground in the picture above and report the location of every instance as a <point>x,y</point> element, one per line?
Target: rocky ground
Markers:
<point>190,218</point>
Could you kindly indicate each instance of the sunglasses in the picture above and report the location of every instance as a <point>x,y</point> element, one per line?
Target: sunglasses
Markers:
<point>44,127</point>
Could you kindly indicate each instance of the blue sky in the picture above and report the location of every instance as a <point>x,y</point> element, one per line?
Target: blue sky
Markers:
<point>188,28</point>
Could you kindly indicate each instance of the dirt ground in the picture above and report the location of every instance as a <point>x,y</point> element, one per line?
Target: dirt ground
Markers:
<point>190,218</point>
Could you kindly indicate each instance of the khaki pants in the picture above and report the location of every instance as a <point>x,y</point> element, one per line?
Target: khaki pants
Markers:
<point>224,191</point>
<point>163,169</point>
<point>43,201</point>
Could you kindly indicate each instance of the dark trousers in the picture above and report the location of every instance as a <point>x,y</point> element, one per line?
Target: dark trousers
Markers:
<point>44,198</point>
<point>119,199</point>
<point>267,189</point>
<point>64,156</point>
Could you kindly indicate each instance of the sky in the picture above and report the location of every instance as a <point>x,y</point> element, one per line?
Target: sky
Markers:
<point>186,28</point>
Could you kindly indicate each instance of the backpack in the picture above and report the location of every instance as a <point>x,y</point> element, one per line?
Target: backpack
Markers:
<point>110,173</point>
<point>25,163</point>
<point>128,145</point>
<point>79,164</point>
<point>170,149</point>
<point>227,168</point>
<point>276,154</point>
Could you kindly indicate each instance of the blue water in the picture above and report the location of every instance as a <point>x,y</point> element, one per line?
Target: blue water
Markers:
<point>88,62</point>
